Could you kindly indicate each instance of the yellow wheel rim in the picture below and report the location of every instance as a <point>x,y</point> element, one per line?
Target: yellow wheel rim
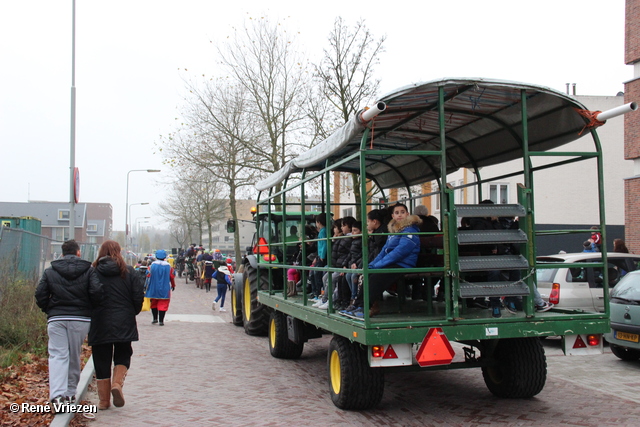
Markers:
<point>334,372</point>
<point>272,333</point>
<point>247,299</point>
<point>234,301</point>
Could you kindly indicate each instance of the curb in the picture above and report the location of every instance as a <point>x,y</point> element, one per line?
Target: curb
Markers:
<point>63,419</point>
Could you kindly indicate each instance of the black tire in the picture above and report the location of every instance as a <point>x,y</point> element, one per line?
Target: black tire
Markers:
<point>519,369</point>
<point>236,300</point>
<point>624,353</point>
<point>353,384</point>
<point>255,316</point>
<point>280,346</point>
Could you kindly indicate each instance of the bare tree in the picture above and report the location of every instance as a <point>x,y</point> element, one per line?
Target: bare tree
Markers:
<point>262,58</point>
<point>218,138</point>
<point>346,78</point>
<point>178,231</point>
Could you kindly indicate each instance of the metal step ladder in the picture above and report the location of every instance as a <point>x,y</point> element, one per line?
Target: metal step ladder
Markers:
<point>470,264</point>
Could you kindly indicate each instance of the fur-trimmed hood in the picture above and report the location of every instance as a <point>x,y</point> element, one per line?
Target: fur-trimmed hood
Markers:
<point>397,226</point>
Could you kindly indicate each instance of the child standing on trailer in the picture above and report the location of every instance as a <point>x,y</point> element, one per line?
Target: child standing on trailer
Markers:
<point>321,258</point>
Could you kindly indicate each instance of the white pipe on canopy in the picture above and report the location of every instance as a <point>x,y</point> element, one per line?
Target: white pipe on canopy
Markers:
<point>370,113</point>
<point>617,111</point>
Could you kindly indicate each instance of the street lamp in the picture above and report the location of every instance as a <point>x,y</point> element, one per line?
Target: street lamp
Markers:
<point>138,225</point>
<point>126,207</point>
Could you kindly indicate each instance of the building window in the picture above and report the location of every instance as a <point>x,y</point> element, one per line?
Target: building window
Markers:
<point>347,212</point>
<point>499,193</point>
<point>226,238</point>
<point>92,227</point>
<point>63,215</point>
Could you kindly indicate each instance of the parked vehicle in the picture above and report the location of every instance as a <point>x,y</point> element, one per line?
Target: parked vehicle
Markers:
<point>624,338</point>
<point>412,136</point>
<point>578,285</point>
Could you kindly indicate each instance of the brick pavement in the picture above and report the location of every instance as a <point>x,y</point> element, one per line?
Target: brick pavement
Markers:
<point>201,370</point>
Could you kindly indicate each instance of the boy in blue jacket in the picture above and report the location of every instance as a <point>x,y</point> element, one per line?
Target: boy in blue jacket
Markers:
<point>400,251</point>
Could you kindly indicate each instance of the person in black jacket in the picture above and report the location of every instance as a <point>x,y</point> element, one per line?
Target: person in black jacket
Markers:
<point>113,324</point>
<point>68,292</point>
<point>355,259</point>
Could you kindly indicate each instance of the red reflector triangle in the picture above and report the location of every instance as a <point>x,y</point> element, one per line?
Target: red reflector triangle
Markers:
<point>435,349</point>
<point>390,353</point>
<point>579,343</point>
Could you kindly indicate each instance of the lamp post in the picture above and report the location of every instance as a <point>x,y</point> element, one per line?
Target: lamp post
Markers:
<point>138,225</point>
<point>139,220</point>
<point>126,207</point>
<point>134,204</point>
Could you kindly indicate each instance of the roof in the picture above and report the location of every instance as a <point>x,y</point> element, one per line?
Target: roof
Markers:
<point>47,212</point>
<point>483,127</point>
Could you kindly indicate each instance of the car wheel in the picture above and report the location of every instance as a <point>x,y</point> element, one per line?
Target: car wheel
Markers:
<point>624,353</point>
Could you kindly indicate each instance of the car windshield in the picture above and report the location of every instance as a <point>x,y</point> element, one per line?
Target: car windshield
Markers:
<point>628,288</point>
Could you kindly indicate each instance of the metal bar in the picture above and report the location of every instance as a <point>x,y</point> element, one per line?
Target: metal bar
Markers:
<point>586,154</point>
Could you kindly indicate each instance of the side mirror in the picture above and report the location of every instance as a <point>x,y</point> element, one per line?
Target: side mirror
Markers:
<point>231,226</point>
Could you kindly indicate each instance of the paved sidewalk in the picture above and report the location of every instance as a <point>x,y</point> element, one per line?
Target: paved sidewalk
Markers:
<point>201,370</point>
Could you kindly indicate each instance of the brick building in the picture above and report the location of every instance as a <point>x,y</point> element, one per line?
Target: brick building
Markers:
<point>632,126</point>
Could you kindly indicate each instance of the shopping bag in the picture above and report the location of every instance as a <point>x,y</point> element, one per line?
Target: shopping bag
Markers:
<point>146,305</point>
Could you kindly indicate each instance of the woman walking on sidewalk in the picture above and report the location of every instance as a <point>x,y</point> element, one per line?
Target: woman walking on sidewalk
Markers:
<point>113,323</point>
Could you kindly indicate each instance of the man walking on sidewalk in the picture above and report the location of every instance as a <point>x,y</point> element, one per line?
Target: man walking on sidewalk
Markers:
<point>68,291</point>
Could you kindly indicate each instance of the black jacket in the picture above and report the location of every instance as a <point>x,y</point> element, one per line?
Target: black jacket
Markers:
<point>342,249</point>
<point>70,287</point>
<point>376,241</point>
<point>115,319</point>
<point>355,256</point>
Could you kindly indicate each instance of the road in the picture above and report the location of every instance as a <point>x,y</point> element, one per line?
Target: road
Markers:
<point>199,369</point>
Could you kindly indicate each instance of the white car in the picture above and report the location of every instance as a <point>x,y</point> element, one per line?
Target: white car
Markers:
<point>624,338</point>
<point>577,287</point>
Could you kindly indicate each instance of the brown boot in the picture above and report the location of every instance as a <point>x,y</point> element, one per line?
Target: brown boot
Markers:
<point>104,393</point>
<point>117,381</point>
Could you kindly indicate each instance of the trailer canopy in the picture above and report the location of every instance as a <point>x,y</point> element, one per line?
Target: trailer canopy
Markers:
<point>483,126</point>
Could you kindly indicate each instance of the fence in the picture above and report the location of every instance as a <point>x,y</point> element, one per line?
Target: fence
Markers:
<point>32,252</point>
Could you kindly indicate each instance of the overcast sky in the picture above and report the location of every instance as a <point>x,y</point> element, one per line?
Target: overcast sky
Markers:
<point>131,56</point>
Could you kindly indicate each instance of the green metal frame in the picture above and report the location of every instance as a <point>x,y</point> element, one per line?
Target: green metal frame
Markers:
<point>456,326</point>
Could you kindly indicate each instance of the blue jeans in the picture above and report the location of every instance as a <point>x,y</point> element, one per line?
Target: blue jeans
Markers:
<point>317,278</point>
<point>352,280</point>
<point>222,293</point>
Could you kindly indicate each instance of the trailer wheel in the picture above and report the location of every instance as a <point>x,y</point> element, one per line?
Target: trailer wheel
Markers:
<point>280,345</point>
<point>255,315</point>
<point>236,300</point>
<point>353,384</point>
<point>520,368</point>
<point>624,353</point>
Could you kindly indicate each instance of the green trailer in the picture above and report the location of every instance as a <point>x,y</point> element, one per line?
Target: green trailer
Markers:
<point>415,135</point>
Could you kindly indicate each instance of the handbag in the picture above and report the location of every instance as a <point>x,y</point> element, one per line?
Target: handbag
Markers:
<point>146,304</point>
